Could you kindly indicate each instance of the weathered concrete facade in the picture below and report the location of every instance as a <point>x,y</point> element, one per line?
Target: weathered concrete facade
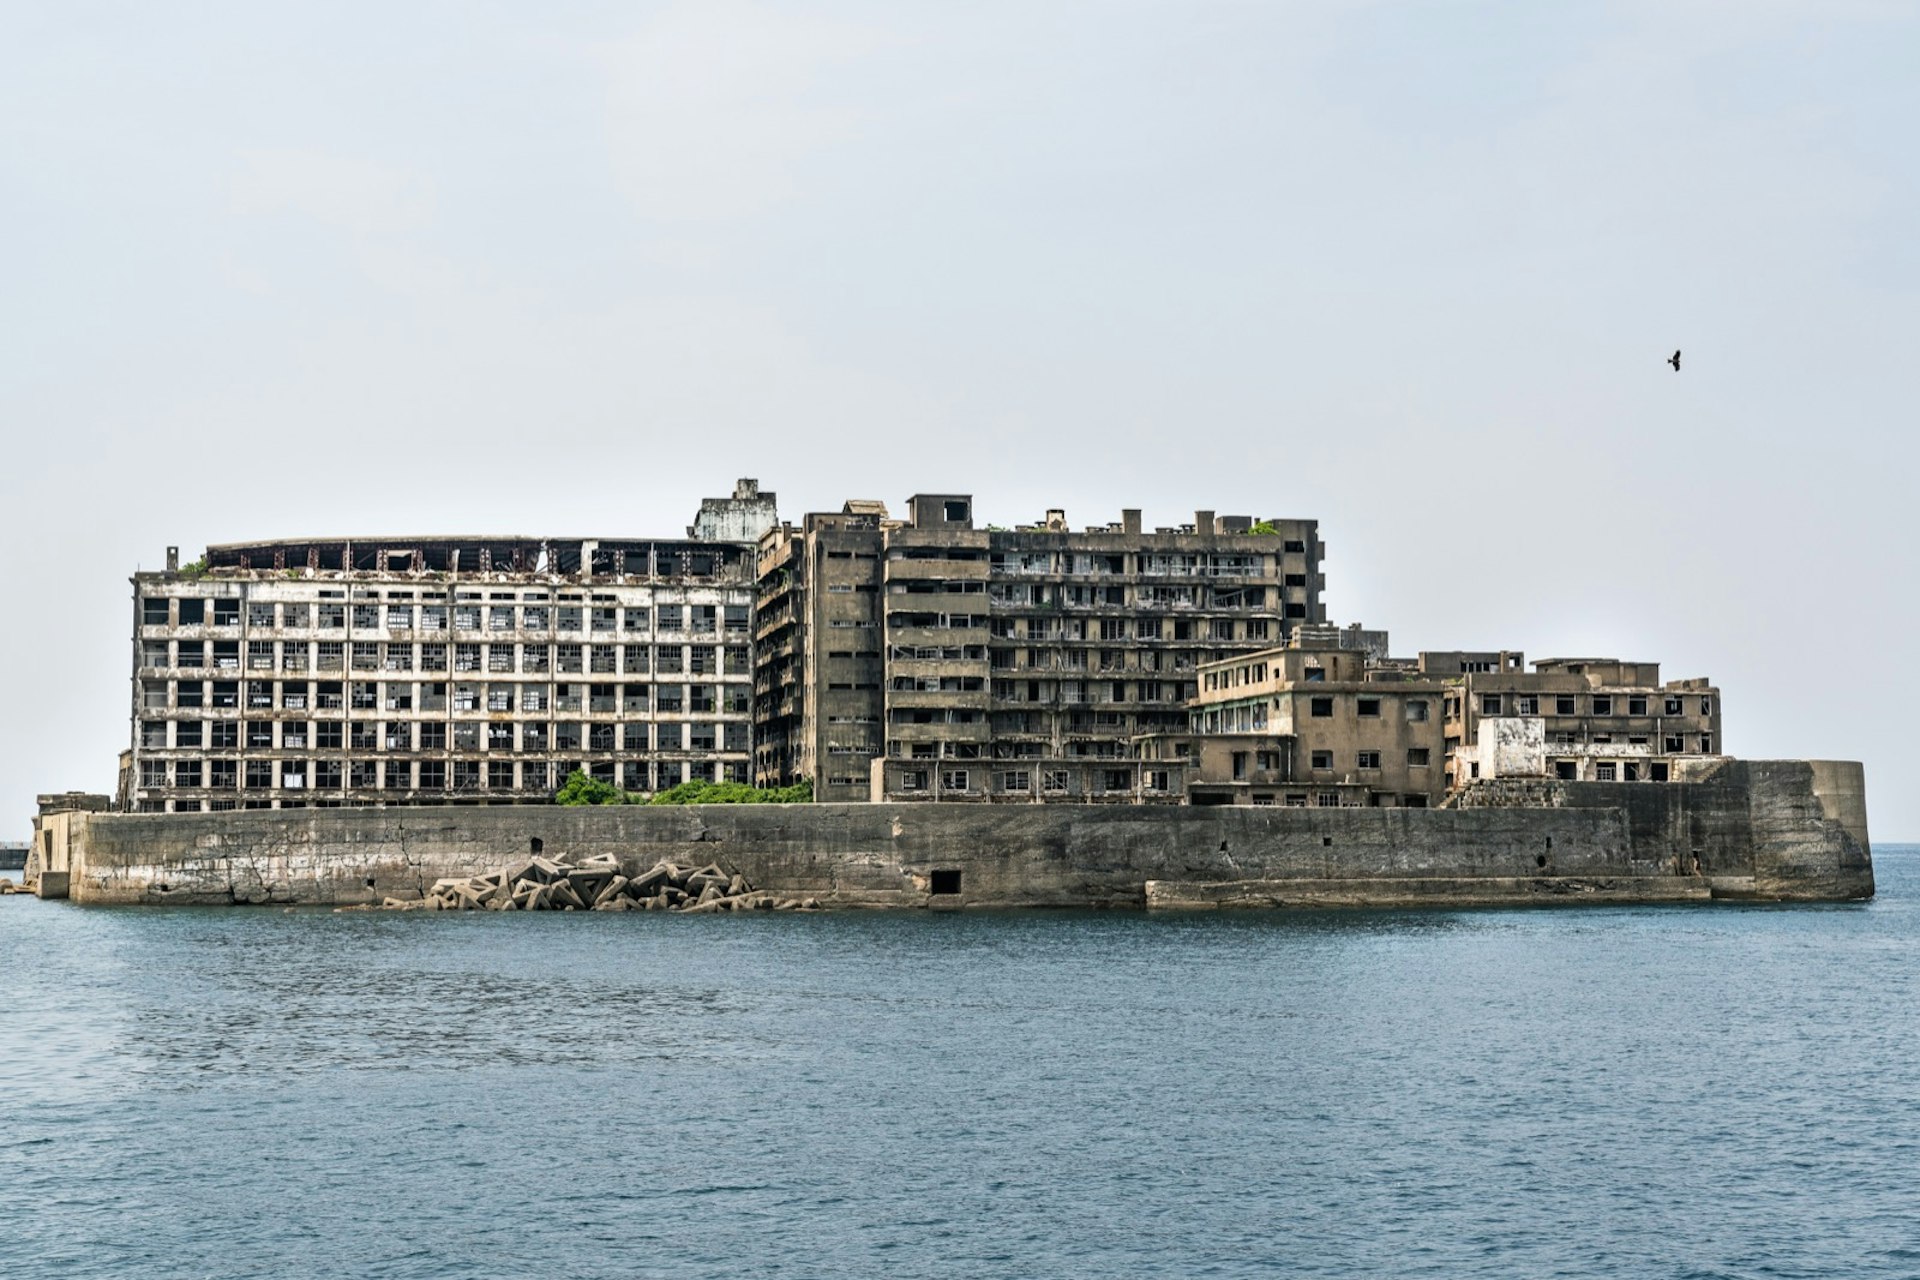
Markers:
<point>433,671</point>
<point>1312,725</point>
<point>1770,830</point>
<point>818,660</point>
<point>1599,719</point>
<point>1008,665</point>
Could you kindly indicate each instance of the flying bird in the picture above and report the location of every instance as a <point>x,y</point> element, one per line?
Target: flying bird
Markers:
<point>1675,362</point>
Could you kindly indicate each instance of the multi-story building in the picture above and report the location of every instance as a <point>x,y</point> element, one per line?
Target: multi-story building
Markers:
<point>1310,726</point>
<point>1591,719</point>
<point>1023,663</point>
<point>947,661</point>
<point>438,670</point>
<point>818,661</point>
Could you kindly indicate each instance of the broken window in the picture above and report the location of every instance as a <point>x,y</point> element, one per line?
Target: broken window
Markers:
<point>259,693</point>
<point>399,775</point>
<point>1368,707</point>
<point>568,659</point>
<point>604,618</point>
<point>226,613</point>
<point>186,773</point>
<point>536,658</point>
<point>1706,706</point>
<point>1602,705</point>
<point>153,611</point>
<point>1706,744</point>
<point>1563,706</point>
<point>1418,757</point>
<point>1526,705</point>
<point>1366,759</point>
<point>499,657</point>
<point>602,698</point>
<point>464,775</point>
<point>533,737</point>
<point>433,657</point>
<point>499,775</point>
<point>332,655</point>
<point>223,774</point>
<point>396,657</point>
<point>500,737</point>
<point>499,697</point>
<point>534,697</point>
<point>566,736</point>
<point>293,697</point>
<point>153,654</point>
<point>500,617</point>
<point>1320,708</point>
<point>433,735</point>
<point>327,734</point>
<point>569,697</point>
<point>330,616</point>
<point>259,773</point>
<point>1489,704</point>
<point>226,655</point>
<point>601,658</point>
<point>1636,706</point>
<point>567,618</point>
<point>366,655</point>
<point>191,695</point>
<point>293,655</point>
<point>1322,759</point>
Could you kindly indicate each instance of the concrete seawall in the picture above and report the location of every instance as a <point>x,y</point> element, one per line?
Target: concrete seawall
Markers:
<point>1785,830</point>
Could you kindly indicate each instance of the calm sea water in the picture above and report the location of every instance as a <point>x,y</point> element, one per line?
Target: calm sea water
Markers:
<point>1616,1092</point>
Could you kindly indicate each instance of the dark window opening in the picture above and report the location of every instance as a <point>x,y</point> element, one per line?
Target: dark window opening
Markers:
<point>946,882</point>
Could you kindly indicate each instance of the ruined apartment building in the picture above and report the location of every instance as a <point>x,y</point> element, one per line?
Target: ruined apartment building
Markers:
<point>401,671</point>
<point>938,660</point>
<point>818,661</point>
<point>1586,719</point>
<point>1310,726</point>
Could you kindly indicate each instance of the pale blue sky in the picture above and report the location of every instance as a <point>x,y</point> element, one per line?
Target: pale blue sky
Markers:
<point>1411,269</point>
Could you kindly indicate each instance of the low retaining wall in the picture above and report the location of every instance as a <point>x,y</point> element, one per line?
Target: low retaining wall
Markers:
<point>1768,829</point>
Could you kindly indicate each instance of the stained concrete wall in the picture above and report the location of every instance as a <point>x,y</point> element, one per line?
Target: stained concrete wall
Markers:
<point>1769,829</point>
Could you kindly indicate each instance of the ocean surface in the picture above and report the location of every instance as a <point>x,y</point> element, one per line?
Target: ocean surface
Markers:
<point>1636,1092</point>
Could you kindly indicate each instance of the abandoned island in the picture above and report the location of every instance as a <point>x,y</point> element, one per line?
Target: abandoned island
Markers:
<point>952,716</point>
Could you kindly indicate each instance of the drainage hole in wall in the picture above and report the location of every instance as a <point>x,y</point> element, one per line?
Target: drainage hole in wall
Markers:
<point>539,845</point>
<point>1539,859</point>
<point>1326,842</point>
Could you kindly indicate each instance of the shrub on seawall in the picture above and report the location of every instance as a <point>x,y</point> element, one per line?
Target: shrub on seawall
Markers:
<point>580,789</point>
